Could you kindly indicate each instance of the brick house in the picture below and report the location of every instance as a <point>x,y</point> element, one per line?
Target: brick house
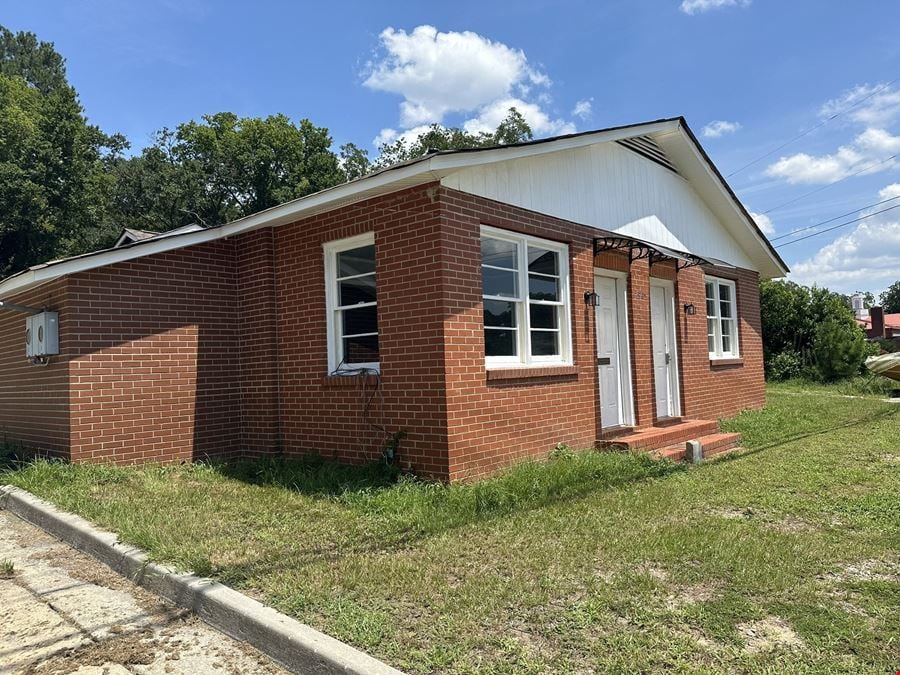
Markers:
<point>592,288</point>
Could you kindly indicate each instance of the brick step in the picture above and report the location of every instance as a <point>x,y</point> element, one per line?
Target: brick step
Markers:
<point>713,444</point>
<point>653,438</point>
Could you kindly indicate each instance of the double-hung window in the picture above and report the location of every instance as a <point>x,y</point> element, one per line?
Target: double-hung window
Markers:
<point>721,318</point>
<point>352,303</point>
<point>526,299</point>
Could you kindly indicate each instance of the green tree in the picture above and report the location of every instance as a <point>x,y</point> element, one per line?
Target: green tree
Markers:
<point>794,339</point>
<point>222,168</point>
<point>838,348</point>
<point>890,299</point>
<point>54,166</point>
<point>354,161</point>
<point>512,129</point>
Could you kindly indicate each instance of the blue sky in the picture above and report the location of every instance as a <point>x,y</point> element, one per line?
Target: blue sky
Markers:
<point>765,70</point>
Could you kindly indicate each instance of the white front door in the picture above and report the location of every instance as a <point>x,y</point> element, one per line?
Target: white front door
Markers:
<point>665,368</point>
<point>612,352</point>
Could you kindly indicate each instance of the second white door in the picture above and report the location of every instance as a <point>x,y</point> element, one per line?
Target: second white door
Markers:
<point>665,368</point>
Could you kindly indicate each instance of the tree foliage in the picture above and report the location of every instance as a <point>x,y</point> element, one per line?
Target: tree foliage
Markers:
<point>223,168</point>
<point>810,331</point>
<point>67,188</point>
<point>890,299</point>
<point>838,349</point>
<point>54,166</point>
<point>512,129</point>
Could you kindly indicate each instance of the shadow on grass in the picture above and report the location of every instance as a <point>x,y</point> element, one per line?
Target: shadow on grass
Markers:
<point>396,512</point>
<point>310,475</point>
<point>401,504</point>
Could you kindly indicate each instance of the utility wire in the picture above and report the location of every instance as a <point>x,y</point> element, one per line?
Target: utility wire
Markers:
<point>824,222</point>
<point>825,187</point>
<point>813,128</point>
<point>829,229</point>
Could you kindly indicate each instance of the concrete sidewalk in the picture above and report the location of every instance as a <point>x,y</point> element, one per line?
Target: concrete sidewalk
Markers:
<point>63,612</point>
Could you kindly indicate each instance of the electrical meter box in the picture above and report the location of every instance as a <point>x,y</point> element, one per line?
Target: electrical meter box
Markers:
<point>42,334</point>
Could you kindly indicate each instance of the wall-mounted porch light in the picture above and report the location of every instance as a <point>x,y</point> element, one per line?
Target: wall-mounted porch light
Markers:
<point>689,309</point>
<point>591,299</point>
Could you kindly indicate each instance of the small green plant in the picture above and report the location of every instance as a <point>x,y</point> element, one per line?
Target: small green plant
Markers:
<point>562,451</point>
<point>7,569</point>
<point>785,365</point>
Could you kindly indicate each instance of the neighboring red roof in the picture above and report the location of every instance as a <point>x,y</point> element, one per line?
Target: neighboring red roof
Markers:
<point>890,321</point>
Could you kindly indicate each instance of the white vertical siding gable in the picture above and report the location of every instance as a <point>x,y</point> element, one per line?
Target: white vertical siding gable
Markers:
<point>609,187</point>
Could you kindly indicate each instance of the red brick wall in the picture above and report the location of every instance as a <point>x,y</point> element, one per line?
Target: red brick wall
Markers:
<point>715,389</point>
<point>326,414</point>
<point>34,400</point>
<point>221,349</point>
<point>258,342</point>
<point>154,370</point>
<point>494,422</point>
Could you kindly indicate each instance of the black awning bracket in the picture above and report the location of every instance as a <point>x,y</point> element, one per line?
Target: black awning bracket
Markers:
<point>636,249</point>
<point>654,253</point>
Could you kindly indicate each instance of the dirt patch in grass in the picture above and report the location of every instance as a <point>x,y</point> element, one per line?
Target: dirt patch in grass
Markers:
<point>655,572</point>
<point>733,514</point>
<point>768,635</point>
<point>788,524</point>
<point>691,595</point>
<point>871,570</point>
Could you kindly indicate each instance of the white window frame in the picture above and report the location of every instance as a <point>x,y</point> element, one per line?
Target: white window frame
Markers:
<point>720,353</point>
<point>332,307</point>
<point>523,358</point>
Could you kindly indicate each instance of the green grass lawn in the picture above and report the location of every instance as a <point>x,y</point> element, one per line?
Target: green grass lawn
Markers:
<point>783,558</point>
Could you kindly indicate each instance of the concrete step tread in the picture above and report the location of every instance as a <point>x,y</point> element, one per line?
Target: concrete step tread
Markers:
<point>662,436</point>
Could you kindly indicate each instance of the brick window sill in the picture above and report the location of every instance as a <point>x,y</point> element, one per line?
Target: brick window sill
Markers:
<point>721,363</point>
<point>496,374</point>
<point>337,381</point>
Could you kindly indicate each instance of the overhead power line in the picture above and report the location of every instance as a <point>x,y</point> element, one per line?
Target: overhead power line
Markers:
<point>825,222</point>
<point>871,165</point>
<point>835,227</point>
<point>813,128</point>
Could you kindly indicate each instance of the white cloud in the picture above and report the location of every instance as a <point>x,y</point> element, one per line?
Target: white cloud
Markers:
<point>866,152</point>
<point>867,257</point>
<point>718,128</point>
<point>440,73</point>
<point>389,135</point>
<point>764,222</point>
<point>583,108</point>
<point>876,105</point>
<point>490,116</point>
<point>700,6</point>
<point>437,73</point>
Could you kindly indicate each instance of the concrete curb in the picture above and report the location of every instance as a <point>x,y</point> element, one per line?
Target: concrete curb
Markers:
<point>294,645</point>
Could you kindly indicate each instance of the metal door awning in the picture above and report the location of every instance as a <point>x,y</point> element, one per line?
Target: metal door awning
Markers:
<point>654,253</point>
